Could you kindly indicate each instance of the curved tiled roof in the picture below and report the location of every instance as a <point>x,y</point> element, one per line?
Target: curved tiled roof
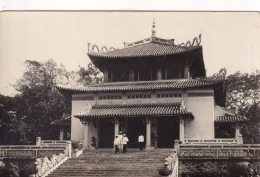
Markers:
<point>62,121</point>
<point>144,85</point>
<point>144,50</point>
<point>135,110</point>
<point>230,118</point>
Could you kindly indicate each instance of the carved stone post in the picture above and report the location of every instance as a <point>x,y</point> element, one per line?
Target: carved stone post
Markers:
<point>177,146</point>
<point>181,130</point>
<point>38,141</point>
<point>68,148</point>
<point>86,129</point>
<point>62,133</point>
<point>116,126</point>
<point>148,133</point>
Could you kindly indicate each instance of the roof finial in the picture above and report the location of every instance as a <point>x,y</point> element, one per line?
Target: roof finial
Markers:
<point>153,30</point>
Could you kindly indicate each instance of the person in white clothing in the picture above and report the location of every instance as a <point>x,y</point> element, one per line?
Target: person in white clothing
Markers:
<point>116,144</point>
<point>124,141</point>
<point>120,137</point>
<point>141,142</point>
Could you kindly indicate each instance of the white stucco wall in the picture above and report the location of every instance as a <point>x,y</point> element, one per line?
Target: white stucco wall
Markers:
<point>202,107</point>
<point>77,128</point>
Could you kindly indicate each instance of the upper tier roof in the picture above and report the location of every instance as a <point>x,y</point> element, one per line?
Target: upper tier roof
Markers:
<point>149,47</point>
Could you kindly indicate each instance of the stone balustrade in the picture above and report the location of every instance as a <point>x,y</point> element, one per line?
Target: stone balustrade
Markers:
<point>243,151</point>
<point>171,162</point>
<point>41,149</point>
<point>213,141</point>
<point>45,164</point>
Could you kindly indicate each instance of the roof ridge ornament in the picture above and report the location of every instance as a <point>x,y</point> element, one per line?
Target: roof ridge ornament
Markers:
<point>92,47</point>
<point>153,30</point>
<point>196,40</point>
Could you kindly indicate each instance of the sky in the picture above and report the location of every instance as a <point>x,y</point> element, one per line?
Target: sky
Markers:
<point>229,39</point>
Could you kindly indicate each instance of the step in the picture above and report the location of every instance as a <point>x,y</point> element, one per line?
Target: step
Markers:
<point>104,162</point>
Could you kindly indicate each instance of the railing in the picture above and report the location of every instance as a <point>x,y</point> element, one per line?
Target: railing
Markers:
<point>48,154</point>
<point>172,164</point>
<point>29,151</point>
<point>41,149</point>
<point>220,151</point>
<point>56,143</point>
<point>213,141</point>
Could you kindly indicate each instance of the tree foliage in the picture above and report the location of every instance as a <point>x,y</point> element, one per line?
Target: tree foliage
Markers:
<point>243,98</point>
<point>29,114</point>
<point>89,75</point>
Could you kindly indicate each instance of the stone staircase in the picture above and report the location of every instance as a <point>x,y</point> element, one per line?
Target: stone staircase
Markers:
<point>104,162</point>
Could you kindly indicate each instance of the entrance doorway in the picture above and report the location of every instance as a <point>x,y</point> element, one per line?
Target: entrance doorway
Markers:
<point>167,132</point>
<point>135,126</point>
<point>106,133</point>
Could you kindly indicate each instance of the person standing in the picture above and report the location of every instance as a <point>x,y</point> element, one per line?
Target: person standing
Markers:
<point>116,144</point>
<point>141,142</point>
<point>120,139</point>
<point>124,141</point>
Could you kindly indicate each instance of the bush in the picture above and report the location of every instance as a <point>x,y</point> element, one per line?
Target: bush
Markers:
<point>164,171</point>
<point>75,145</point>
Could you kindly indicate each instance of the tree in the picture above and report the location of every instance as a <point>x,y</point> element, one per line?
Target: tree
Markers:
<point>39,102</point>
<point>243,97</point>
<point>89,75</point>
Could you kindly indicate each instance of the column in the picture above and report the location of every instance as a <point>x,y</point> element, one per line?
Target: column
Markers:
<point>148,133</point>
<point>181,130</point>
<point>186,71</point>
<point>62,133</point>
<point>159,73</point>
<point>116,126</point>
<point>86,127</point>
<point>238,135</point>
<point>131,75</point>
<point>105,75</point>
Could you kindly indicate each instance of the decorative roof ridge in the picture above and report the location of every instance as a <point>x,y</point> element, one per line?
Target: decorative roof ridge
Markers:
<point>155,81</point>
<point>135,105</point>
<point>153,39</point>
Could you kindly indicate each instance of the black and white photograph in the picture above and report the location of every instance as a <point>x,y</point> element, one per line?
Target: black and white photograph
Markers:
<point>129,93</point>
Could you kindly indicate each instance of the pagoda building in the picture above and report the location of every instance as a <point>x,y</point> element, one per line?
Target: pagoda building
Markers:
<point>154,87</point>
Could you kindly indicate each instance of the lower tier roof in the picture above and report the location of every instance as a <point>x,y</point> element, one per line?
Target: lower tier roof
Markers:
<point>143,85</point>
<point>230,118</point>
<point>136,110</point>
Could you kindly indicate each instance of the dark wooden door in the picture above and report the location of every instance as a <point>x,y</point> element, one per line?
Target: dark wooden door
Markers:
<point>106,133</point>
<point>135,126</point>
<point>167,132</point>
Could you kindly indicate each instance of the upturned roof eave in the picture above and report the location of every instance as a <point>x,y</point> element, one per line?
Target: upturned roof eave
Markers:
<point>102,55</point>
<point>115,86</point>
